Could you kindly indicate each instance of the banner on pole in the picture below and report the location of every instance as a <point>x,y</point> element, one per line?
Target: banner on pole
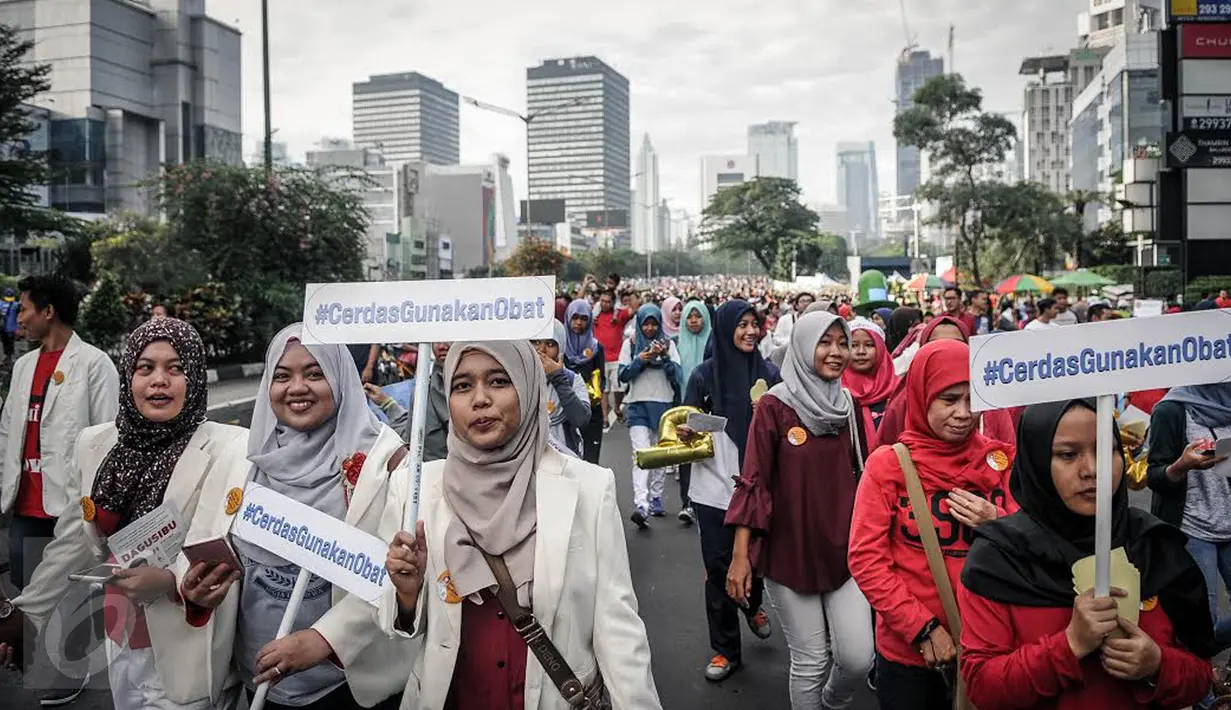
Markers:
<point>1112,357</point>
<point>315,541</point>
<point>430,311</point>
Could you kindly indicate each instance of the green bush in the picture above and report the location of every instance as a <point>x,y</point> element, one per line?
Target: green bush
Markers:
<point>219,316</point>
<point>103,320</point>
<point>1120,273</point>
<point>1164,283</point>
<point>1198,287</point>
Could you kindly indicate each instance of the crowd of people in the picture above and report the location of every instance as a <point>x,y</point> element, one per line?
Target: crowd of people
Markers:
<point>849,498</point>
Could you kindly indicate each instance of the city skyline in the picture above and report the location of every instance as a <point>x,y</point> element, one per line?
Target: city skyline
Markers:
<point>694,93</point>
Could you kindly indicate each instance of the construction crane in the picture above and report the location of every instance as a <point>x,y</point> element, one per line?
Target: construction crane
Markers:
<point>910,39</point>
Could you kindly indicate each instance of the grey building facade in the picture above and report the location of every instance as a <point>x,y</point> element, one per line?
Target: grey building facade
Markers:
<point>579,146</point>
<point>135,84</point>
<point>407,117</point>
<point>914,70</point>
<point>858,192</point>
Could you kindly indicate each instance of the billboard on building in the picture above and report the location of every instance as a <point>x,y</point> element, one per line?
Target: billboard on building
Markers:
<point>607,219</point>
<point>544,211</point>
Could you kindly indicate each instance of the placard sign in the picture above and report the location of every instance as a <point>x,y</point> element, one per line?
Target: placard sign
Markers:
<point>157,536</point>
<point>317,542</point>
<point>1026,367</point>
<point>430,311</point>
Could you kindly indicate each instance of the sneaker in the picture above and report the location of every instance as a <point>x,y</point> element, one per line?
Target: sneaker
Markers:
<point>759,623</point>
<point>55,697</point>
<point>657,509</point>
<point>686,516</point>
<point>872,679</point>
<point>639,518</point>
<point>719,668</point>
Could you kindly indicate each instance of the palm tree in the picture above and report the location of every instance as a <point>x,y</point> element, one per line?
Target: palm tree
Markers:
<point>1079,199</point>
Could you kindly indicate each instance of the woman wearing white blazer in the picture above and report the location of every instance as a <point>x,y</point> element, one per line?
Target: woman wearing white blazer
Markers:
<point>159,449</point>
<point>554,522</point>
<point>314,440</point>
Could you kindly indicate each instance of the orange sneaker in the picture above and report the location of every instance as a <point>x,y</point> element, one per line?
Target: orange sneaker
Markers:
<point>759,623</point>
<point>720,668</point>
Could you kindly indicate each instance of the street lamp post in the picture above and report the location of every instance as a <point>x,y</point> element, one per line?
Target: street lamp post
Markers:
<point>269,124</point>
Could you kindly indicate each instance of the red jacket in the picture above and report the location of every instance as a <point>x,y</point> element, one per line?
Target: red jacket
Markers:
<point>886,555</point>
<point>1018,657</point>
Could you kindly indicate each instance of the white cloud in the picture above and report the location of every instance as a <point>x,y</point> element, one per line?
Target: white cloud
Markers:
<point>700,70</point>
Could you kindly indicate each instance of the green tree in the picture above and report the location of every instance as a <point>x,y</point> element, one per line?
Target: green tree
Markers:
<point>535,257</point>
<point>139,253</point>
<point>1028,225</point>
<point>21,168</point>
<point>765,217</point>
<point>1108,245</point>
<point>947,121</point>
<point>1079,200</point>
<point>103,320</point>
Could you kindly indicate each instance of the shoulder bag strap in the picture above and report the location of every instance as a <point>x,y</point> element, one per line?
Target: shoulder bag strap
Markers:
<point>936,563</point>
<point>528,627</point>
<point>852,422</point>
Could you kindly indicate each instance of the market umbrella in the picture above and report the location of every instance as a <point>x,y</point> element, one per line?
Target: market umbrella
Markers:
<point>1024,282</point>
<point>952,275</point>
<point>923,282</point>
<point>1082,279</point>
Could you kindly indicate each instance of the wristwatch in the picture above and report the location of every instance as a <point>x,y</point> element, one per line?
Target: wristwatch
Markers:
<point>6,608</point>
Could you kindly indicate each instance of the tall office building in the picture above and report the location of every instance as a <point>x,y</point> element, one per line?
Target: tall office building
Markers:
<point>776,151</point>
<point>858,191</point>
<point>914,70</point>
<point>407,117</point>
<point>646,201</point>
<point>1106,22</point>
<point>379,196</point>
<point>723,171</point>
<point>578,143</point>
<point>1047,103</point>
<point>134,86</point>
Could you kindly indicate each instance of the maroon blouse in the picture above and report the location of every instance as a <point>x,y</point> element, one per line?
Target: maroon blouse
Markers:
<point>490,673</point>
<point>797,494</point>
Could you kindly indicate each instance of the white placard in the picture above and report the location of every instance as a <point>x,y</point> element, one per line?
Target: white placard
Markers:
<point>430,311</point>
<point>157,536</point>
<point>1112,357</point>
<point>1207,106</point>
<point>1147,308</point>
<point>316,541</point>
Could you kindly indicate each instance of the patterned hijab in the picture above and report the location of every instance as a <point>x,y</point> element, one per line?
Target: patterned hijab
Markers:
<point>134,476</point>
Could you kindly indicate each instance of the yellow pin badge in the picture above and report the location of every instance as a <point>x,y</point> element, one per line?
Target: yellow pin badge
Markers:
<point>235,497</point>
<point>551,407</point>
<point>797,435</point>
<point>1149,604</point>
<point>88,509</point>
<point>445,589</point>
<point>998,460</point>
<point>58,377</point>
<point>588,352</point>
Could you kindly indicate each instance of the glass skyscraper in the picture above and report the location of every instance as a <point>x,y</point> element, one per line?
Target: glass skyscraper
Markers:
<point>914,70</point>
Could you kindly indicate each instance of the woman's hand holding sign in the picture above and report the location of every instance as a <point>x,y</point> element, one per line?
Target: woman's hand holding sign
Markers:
<point>407,562</point>
<point>290,655</point>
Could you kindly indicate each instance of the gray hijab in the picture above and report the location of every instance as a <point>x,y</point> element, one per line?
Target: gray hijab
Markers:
<point>491,492</point>
<point>307,466</point>
<point>820,405</point>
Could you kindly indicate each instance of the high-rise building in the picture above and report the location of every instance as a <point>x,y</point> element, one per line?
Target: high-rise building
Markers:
<point>858,191</point>
<point>723,171</point>
<point>578,141</point>
<point>1106,22</point>
<point>1047,102</point>
<point>407,117</point>
<point>914,70</point>
<point>773,144</point>
<point>134,86</point>
<point>379,196</point>
<point>646,199</point>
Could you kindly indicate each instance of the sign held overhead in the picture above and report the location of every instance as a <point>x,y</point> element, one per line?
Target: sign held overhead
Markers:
<point>1027,367</point>
<point>430,311</point>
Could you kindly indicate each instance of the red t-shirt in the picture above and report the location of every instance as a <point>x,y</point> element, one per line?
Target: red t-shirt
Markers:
<point>30,490</point>
<point>609,331</point>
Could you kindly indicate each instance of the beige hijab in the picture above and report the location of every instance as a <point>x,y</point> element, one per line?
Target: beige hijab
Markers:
<point>492,492</point>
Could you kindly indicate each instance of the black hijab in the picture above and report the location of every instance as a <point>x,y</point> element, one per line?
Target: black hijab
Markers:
<point>899,324</point>
<point>1026,558</point>
<point>732,373</point>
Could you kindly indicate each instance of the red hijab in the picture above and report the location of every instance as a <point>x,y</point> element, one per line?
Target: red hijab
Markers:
<point>941,464</point>
<point>874,387</point>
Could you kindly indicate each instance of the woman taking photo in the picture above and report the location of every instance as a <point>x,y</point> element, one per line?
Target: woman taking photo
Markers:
<point>1028,639</point>
<point>722,385</point>
<point>314,440</point>
<point>583,354</point>
<point>159,450</point>
<point>507,524</point>
<point>964,477</point>
<point>805,420</point>
<point>869,378</point>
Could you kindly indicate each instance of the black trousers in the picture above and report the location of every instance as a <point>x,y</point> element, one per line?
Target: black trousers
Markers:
<point>28,537</point>
<point>721,613</point>
<point>592,439</point>
<point>685,470</point>
<point>900,687</point>
<point>339,699</point>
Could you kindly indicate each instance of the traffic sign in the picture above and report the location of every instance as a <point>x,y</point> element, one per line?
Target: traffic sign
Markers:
<point>1200,10</point>
<point>1199,149</point>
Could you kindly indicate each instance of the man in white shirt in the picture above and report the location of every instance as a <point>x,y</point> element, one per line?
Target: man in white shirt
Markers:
<point>1047,316</point>
<point>782,332</point>
<point>1064,314</point>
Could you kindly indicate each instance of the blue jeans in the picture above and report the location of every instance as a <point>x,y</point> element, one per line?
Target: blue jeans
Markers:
<point>1214,559</point>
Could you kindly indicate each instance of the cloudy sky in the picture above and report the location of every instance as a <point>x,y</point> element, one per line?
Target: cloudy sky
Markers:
<point>700,70</point>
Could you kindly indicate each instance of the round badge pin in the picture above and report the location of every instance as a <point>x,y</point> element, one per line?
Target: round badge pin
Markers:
<point>88,509</point>
<point>1149,604</point>
<point>588,352</point>
<point>235,497</point>
<point>998,460</point>
<point>58,377</point>
<point>551,407</point>
<point>797,436</point>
